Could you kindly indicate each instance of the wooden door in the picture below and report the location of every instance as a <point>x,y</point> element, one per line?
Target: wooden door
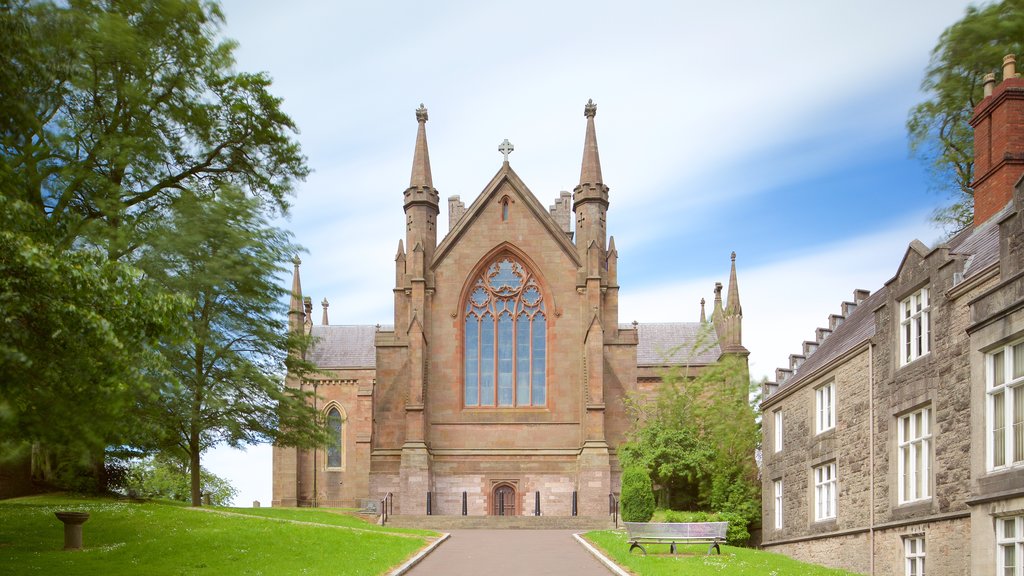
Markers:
<point>504,501</point>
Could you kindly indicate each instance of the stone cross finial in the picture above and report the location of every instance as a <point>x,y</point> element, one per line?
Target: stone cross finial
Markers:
<point>421,113</point>
<point>590,110</point>
<point>296,260</point>
<point>506,148</point>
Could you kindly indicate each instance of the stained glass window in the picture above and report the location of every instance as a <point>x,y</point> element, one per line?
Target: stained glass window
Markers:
<point>505,338</point>
<point>334,447</point>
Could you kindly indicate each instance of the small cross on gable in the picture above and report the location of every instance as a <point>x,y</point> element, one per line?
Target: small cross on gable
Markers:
<point>506,148</point>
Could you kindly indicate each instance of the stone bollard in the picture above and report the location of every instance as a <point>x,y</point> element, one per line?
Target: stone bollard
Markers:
<point>72,528</point>
<point>255,503</point>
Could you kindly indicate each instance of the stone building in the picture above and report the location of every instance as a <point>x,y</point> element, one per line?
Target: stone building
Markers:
<point>498,388</point>
<point>896,436</point>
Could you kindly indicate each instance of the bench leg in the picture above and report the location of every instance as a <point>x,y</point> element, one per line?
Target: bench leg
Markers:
<point>714,546</point>
<point>637,545</point>
<point>672,548</point>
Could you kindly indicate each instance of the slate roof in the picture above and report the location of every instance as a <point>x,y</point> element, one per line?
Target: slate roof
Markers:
<point>344,346</point>
<point>981,244</point>
<point>352,346</point>
<point>683,340</point>
<point>854,330</point>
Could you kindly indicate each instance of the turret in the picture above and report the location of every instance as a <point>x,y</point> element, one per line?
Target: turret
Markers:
<point>296,315</point>
<point>733,315</point>
<point>421,199</point>
<point>590,197</point>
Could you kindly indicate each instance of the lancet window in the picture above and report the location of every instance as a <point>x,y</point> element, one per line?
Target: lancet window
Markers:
<point>335,447</point>
<point>505,338</point>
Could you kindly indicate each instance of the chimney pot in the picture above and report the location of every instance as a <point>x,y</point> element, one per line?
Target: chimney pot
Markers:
<point>1009,67</point>
<point>990,84</point>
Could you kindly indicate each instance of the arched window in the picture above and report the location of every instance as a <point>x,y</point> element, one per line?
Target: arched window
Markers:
<point>336,445</point>
<point>505,338</point>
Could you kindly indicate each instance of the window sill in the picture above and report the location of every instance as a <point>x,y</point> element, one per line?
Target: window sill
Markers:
<point>921,357</point>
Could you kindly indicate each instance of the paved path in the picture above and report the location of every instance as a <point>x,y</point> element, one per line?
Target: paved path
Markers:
<point>510,553</point>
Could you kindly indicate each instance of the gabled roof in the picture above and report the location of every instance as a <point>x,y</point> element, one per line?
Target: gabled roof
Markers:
<point>519,189</point>
<point>344,346</point>
<point>980,244</point>
<point>675,344</point>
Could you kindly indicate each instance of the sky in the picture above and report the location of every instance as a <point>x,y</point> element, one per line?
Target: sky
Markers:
<point>772,129</point>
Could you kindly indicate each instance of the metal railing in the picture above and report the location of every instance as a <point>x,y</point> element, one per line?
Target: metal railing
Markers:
<point>386,507</point>
<point>613,508</point>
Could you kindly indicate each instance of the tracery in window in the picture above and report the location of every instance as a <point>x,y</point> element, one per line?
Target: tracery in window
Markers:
<point>505,337</point>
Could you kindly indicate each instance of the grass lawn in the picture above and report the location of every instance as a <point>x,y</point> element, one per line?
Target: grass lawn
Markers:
<point>332,516</point>
<point>159,538</point>
<point>691,559</point>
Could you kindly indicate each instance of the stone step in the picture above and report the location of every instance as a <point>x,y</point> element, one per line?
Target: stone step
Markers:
<point>446,523</point>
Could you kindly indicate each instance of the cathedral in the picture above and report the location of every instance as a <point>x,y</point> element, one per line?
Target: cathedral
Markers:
<point>500,386</point>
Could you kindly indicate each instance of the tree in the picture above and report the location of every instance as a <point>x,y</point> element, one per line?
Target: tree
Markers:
<point>938,129</point>
<point>115,108</point>
<point>637,498</point>
<point>226,381</point>
<point>698,438</point>
<point>161,477</point>
<point>78,339</point>
<point>110,112</point>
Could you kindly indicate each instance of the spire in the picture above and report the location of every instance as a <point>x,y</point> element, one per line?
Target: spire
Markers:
<point>734,291</point>
<point>421,158</point>
<point>703,317</point>
<point>591,171</point>
<point>295,314</point>
<point>325,304</point>
<point>590,197</point>
<point>716,311</point>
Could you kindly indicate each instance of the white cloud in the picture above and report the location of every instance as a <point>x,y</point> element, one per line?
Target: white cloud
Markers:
<point>701,105</point>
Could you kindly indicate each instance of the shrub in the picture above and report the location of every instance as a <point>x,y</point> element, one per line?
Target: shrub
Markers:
<point>637,496</point>
<point>737,534</point>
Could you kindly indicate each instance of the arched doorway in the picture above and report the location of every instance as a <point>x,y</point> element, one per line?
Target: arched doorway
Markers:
<point>503,500</point>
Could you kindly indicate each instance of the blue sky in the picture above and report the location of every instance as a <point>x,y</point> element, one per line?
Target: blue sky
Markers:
<point>775,129</point>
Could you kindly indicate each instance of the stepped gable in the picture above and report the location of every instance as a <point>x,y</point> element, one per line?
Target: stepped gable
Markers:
<point>656,340</point>
<point>978,245</point>
<point>855,329</point>
<point>344,346</point>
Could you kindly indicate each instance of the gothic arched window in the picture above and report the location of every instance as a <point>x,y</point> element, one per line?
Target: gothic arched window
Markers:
<point>505,338</point>
<point>335,445</point>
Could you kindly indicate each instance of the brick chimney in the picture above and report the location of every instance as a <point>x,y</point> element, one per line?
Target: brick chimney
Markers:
<point>998,123</point>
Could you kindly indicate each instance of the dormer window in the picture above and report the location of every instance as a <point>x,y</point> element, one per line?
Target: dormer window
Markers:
<point>914,326</point>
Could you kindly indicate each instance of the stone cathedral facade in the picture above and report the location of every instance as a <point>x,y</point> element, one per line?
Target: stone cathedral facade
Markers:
<point>500,382</point>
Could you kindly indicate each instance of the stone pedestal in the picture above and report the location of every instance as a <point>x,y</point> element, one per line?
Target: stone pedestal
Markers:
<point>414,479</point>
<point>72,528</point>
<point>594,479</point>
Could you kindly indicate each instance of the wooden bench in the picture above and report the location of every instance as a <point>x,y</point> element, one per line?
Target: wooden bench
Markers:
<point>672,533</point>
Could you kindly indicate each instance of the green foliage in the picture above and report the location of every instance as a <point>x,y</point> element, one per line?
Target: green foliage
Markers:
<point>938,129</point>
<point>637,498</point>
<point>697,438</point>
<point>162,539</point>
<point>737,534</point>
<point>166,479</point>
<point>117,108</point>
<point>692,560</point>
<point>78,339</point>
<point>226,380</point>
<point>119,119</point>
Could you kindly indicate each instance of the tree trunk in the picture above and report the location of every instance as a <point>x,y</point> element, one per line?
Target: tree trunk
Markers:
<point>193,465</point>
